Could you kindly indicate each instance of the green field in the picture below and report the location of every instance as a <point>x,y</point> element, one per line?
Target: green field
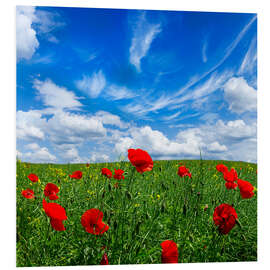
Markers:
<point>142,211</point>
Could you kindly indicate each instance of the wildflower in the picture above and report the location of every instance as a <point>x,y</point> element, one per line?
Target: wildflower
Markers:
<point>230,185</point>
<point>56,213</point>
<point>76,175</point>
<point>222,168</point>
<point>246,189</point>
<point>51,190</point>
<point>33,177</point>
<point>28,194</point>
<point>225,218</point>
<point>230,176</point>
<point>87,165</point>
<point>91,220</point>
<point>140,159</point>
<point>183,171</point>
<point>106,172</point>
<point>169,252</point>
<point>118,174</point>
<point>104,260</point>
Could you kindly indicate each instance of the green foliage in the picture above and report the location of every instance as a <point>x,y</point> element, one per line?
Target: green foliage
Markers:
<point>144,210</point>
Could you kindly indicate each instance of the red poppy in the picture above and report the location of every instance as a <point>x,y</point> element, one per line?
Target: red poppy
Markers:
<point>87,165</point>
<point>106,172</point>
<point>104,260</point>
<point>231,185</point>
<point>33,177</point>
<point>222,168</point>
<point>51,190</point>
<point>169,252</point>
<point>28,194</point>
<point>76,175</point>
<point>225,217</point>
<point>230,176</point>
<point>92,221</point>
<point>246,189</point>
<point>183,171</point>
<point>56,213</point>
<point>140,159</point>
<point>118,174</point>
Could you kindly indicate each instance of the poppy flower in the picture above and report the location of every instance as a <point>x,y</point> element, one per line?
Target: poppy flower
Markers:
<point>183,171</point>
<point>225,218</point>
<point>246,189</point>
<point>33,177</point>
<point>106,172</point>
<point>91,220</point>
<point>230,176</point>
<point>140,159</point>
<point>51,190</point>
<point>28,194</point>
<point>230,185</point>
<point>56,213</point>
<point>118,174</point>
<point>104,260</point>
<point>87,165</point>
<point>76,175</point>
<point>169,252</point>
<point>222,168</point>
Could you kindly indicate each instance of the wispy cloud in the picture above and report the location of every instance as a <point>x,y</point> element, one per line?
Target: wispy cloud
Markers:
<point>171,117</point>
<point>47,23</point>
<point>143,35</point>
<point>56,96</point>
<point>229,50</point>
<point>115,92</point>
<point>92,85</point>
<point>204,48</point>
<point>250,60</point>
<point>142,107</point>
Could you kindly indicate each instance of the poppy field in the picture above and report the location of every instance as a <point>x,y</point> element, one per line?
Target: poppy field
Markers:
<point>136,212</point>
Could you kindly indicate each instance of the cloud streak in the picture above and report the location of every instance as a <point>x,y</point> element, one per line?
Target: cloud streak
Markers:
<point>143,35</point>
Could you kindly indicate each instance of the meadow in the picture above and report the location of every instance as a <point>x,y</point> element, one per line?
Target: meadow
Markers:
<point>142,211</point>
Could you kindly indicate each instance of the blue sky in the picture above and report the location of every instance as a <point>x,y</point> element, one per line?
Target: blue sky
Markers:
<point>92,83</point>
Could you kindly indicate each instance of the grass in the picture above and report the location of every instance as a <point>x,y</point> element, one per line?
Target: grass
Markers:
<point>144,210</point>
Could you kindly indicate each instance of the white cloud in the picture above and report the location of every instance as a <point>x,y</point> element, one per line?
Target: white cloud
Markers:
<point>99,157</point>
<point>216,147</point>
<point>234,140</point>
<point>32,146</point>
<point>92,85</point>
<point>56,96</point>
<point>26,36</point>
<point>30,125</point>
<point>110,119</point>
<point>143,35</point>
<point>123,145</point>
<point>156,143</point>
<point>240,96</point>
<point>69,128</point>
<point>39,155</point>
